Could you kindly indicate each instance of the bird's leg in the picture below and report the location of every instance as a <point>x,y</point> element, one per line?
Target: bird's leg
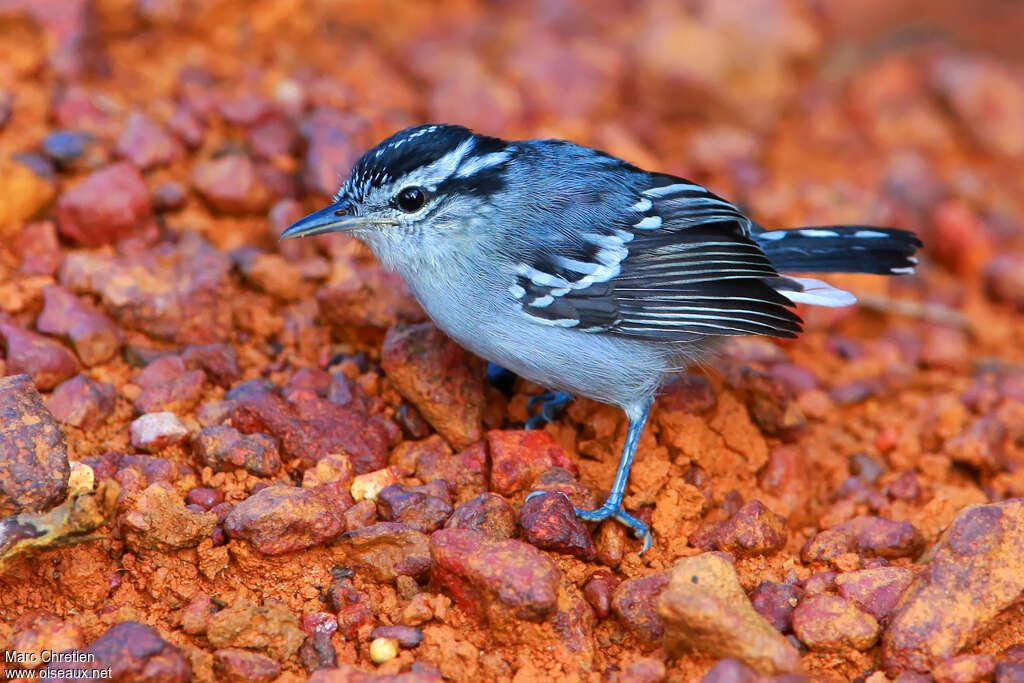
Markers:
<point>613,506</point>
<point>553,402</point>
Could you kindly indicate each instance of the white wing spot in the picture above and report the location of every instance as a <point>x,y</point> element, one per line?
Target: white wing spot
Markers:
<point>642,205</point>
<point>649,223</point>
<point>814,232</point>
<point>670,189</point>
<point>517,291</point>
<point>865,234</point>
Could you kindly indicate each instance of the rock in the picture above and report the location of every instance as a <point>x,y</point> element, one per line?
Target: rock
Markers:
<point>330,153</point>
<point>519,456</point>
<point>753,530</point>
<point>974,572</point>
<point>731,671</point>
<point>704,608</point>
<point>179,395</point>
<point>872,536</point>
<point>333,471</point>
<point>38,249</point>
<point>876,590</point>
<point>95,337</point>
<point>145,143</point>
<point>432,459</point>
<point>196,615</point>
<point>313,428</point>
<point>222,447</point>
<point>68,149</point>
<point>82,402</point>
<point>1009,672</point>
<point>598,591</point>
<point>550,523</point>
<point>33,456</point>
<point>281,519</point>
<point>498,580</point>
<point>488,513</point>
<point>389,550</point>
<point>156,431</point>
<point>776,602</point>
<point>407,637</point>
<point>271,627</point>
<point>238,666</point>
<point>218,361</point>
<point>230,184</point>
<point>109,205</point>
<point>559,479</point>
<point>444,383</point>
<point>965,669</point>
<point>169,196</point>
<point>369,485</point>
<point>362,303</point>
<point>171,291</point>
<point>204,497</point>
<point>688,394</point>
<point>37,632</point>
<point>26,194</point>
<point>1004,279</point>
<point>362,514</point>
<point>133,652</point>
<point>424,508</point>
<point>47,361</point>
<point>158,519</point>
<point>635,603</point>
<point>317,652</point>
<point>161,370</point>
<point>831,623</point>
<point>187,126</point>
<point>988,99</point>
<point>273,139</point>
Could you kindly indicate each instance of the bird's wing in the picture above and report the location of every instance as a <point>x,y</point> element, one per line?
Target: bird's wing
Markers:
<point>678,266</point>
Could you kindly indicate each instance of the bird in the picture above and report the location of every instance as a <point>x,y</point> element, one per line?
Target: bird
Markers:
<point>581,272</point>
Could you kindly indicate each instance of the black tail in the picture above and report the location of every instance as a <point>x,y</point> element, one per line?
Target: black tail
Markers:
<point>840,249</point>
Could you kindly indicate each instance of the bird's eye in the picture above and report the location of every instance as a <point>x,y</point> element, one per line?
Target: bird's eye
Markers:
<point>411,199</point>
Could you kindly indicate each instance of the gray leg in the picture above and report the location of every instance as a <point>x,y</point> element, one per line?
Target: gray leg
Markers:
<point>613,506</point>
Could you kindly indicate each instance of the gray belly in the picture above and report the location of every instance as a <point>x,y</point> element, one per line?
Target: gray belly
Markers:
<point>606,368</point>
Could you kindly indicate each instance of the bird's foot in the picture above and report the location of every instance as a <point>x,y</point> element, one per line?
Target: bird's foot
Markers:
<point>500,378</point>
<point>617,512</point>
<point>553,404</point>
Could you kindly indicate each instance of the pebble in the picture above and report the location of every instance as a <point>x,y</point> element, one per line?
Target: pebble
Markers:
<point>1004,279</point>
<point>66,147</point>
<point>776,602</point>
<point>550,523</point>
<point>831,623</point>
<point>499,580</point>
<point>519,456</point>
<point>598,591</point>
<point>487,513</point>
<point>82,402</point>
<point>46,360</point>
<point>196,615</point>
<point>270,627</point>
<point>559,479</point>
<point>389,550</point>
<point>169,195</point>
<point>234,665</point>
<point>703,607</point>
<point>965,669</point>
<point>110,204</point>
<point>222,447</point>
<point>465,470</point>
<point>369,485</point>
<point>383,650</point>
<point>877,590</point>
<point>179,395</point>
<point>634,602</point>
<point>25,196</point>
<point>442,380</point>
<point>145,143</point>
<point>317,652</point>
<point>33,455</point>
<point>330,152</point>
<point>38,249</point>
<point>870,536</point>
<point>134,652</point>
<point>219,361</point>
<point>688,394</point>
<point>974,572</point>
<point>753,530</point>
<point>318,622</point>
<point>407,637</point>
<point>230,184</point>
<point>281,519</point>
<point>424,508</point>
<point>158,519</point>
<point>362,514</point>
<point>37,632</point>
<point>362,303</point>
<point>156,431</point>
<point>204,497</point>
<point>94,336</point>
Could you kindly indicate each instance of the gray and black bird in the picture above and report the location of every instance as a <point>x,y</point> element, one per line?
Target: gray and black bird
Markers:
<point>581,272</point>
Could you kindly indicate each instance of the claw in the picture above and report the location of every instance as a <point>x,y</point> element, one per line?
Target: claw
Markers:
<point>640,530</point>
<point>553,404</point>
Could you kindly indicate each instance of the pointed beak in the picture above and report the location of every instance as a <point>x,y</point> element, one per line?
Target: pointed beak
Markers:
<point>335,218</point>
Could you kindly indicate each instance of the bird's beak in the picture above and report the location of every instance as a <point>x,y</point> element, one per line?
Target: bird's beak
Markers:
<point>335,218</point>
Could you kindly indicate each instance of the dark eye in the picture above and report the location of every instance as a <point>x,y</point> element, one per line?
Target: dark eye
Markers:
<point>411,199</point>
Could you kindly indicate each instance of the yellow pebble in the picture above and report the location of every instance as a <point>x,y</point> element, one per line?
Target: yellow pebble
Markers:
<point>383,650</point>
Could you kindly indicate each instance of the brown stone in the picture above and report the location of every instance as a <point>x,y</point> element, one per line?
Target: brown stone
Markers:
<point>271,627</point>
<point>389,550</point>
<point>47,361</point>
<point>95,337</point>
<point>831,623</point>
<point>158,519</point>
<point>82,402</point>
<point>281,519</point>
<point>110,204</point>
<point>518,457</point>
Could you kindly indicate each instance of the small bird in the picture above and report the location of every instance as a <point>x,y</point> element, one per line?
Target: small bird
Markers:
<point>581,272</point>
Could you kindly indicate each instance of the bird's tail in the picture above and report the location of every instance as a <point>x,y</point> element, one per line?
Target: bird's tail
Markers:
<point>840,249</point>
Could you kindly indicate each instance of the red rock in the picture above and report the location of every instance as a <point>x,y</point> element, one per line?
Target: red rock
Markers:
<point>273,139</point>
<point>362,514</point>
<point>1004,279</point>
<point>389,550</point>
<point>488,513</point>
<point>318,622</point>
<point>776,602</point>
<point>333,471</point>
<point>171,291</point>
<point>230,184</point>
<point>187,126</point>
<point>248,109</point>
<point>314,428</point>
<point>408,637</point>
<point>270,627</point>
<point>831,623</point>
<point>219,361</point>
<point>330,153</point>
<point>235,665</point>
<point>424,508</point>
<point>753,530</point>
<point>444,382</point>
<point>634,602</point>
<point>905,487</point>
<point>550,523</point>
<point>598,591</point>
<point>730,671</point>
<point>169,196</point>
<point>687,393</point>
<point>877,590</point>
<point>412,423</point>
<point>38,249</point>
<point>204,497</point>
<point>160,371</point>
<point>270,273</point>
<point>145,143</point>
<point>559,479</point>
<point>973,573</point>
<point>45,360</point>
<point>317,652</point>
<point>959,239</point>
<point>518,457</point>
<point>466,471</point>
<point>196,615</point>
<point>222,447</point>
<point>965,669</point>
<point>180,395</point>
<point>158,519</point>
<point>82,402</point>
<point>281,519</point>
<point>872,536</point>
<point>95,337</point>
<point>610,543</point>
<point>364,305</point>
<point>498,580</point>
<point>134,652</point>
<point>110,204</point>
<point>37,632</point>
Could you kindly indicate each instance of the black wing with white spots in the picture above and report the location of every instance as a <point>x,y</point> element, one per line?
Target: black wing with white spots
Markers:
<point>678,264</point>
